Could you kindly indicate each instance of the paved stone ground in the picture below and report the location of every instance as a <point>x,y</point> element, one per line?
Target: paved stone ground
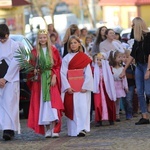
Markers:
<point>123,135</point>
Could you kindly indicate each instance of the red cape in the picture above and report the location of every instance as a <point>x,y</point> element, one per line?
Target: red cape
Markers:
<point>56,100</point>
<point>79,61</point>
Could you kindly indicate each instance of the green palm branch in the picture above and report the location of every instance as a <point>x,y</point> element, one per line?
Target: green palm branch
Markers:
<point>23,56</point>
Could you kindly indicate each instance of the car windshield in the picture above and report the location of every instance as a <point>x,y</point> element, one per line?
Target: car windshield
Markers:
<point>22,41</point>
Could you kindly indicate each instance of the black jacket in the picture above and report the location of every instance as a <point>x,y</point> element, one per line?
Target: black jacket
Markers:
<point>141,49</point>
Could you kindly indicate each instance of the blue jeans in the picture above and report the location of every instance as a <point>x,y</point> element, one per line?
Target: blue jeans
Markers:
<point>142,86</point>
<point>128,101</point>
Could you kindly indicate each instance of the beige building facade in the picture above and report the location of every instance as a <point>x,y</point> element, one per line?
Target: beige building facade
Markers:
<point>121,12</point>
<point>12,13</point>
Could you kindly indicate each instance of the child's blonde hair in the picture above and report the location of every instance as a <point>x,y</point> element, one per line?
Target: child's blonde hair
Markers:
<point>127,51</point>
<point>77,39</point>
<point>87,37</point>
<point>100,55</point>
<point>38,45</point>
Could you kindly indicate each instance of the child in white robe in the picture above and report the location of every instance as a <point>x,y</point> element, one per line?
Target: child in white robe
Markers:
<point>77,103</point>
<point>104,92</point>
<point>9,86</point>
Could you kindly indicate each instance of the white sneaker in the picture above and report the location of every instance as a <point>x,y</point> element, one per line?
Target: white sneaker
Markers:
<point>55,135</point>
<point>48,134</point>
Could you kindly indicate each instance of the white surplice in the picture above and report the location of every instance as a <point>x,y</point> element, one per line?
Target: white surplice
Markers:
<point>81,101</point>
<point>47,113</point>
<point>9,94</point>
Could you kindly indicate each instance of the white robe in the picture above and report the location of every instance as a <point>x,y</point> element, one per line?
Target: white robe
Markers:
<point>108,79</point>
<point>81,101</point>
<point>9,94</point>
<point>47,113</point>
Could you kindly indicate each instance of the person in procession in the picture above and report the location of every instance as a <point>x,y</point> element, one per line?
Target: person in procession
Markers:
<point>110,43</point>
<point>77,102</point>
<point>121,85</point>
<point>9,85</point>
<point>88,43</point>
<point>100,37</point>
<point>104,93</point>
<point>107,45</point>
<point>46,103</point>
<point>83,34</point>
<point>141,53</point>
<point>72,30</point>
<point>130,73</point>
<point>54,43</point>
<point>51,29</point>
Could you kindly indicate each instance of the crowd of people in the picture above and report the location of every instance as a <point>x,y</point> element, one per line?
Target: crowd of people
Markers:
<point>94,73</point>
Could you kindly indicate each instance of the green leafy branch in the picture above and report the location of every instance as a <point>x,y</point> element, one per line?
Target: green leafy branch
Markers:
<point>23,56</point>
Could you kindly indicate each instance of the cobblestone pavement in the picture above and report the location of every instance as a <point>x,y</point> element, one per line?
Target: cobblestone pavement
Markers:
<point>123,135</point>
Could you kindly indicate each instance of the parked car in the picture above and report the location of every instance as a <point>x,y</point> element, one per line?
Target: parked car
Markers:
<point>24,89</point>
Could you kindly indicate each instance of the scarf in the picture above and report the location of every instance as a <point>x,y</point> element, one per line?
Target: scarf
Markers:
<point>45,67</point>
<point>108,80</point>
<point>75,63</point>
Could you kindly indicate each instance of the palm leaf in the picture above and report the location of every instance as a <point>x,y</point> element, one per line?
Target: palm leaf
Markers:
<point>23,56</point>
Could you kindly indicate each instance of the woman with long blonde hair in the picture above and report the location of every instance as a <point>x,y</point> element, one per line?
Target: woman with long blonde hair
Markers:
<point>45,103</point>
<point>141,53</point>
<point>72,30</point>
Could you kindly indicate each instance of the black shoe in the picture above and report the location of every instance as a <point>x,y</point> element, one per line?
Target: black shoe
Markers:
<point>98,124</point>
<point>6,136</point>
<point>12,133</point>
<point>111,122</point>
<point>142,121</point>
<point>82,133</point>
<point>117,120</point>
